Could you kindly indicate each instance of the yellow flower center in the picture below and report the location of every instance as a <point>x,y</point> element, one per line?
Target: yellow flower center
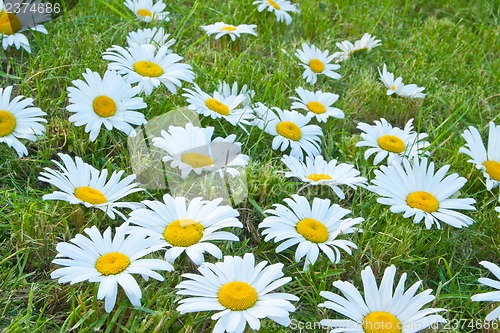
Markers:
<point>393,87</point>
<point>274,4</point>
<point>316,65</point>
<point>104,106</point>
<point>316,177</point>
<point>9,23</point>
<point>237,296</point>
<point>183,232</point>
<point>90,195</point>
<point>217,106</point>
<point>7,123</point>
<point>423,200</point>
<point>289,130</point>
<point>144,12</point>
<point>148,68</point>
<point>228,28</point>
<point>316,107</point>
<point>381,322</point>
<point>391,143</point>
<point>112,263</point>
<point>312,230</point>
<point>492,168</point>
<point>196,160</point>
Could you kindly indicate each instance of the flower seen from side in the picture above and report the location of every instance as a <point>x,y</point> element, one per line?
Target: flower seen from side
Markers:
<point>396,86</point>
<point>220,29</point>
<point>153,36</point>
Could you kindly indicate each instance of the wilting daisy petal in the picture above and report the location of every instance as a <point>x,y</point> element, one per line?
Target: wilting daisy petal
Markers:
<point>414,189</point>
<point>109,261</point>
<point>318,104</point>
<point>19,120</point>
<point>398,87</point>
<point>149,66</point>
<point>187,226</point>
<point>492,296</point>
<point>192,148</point>
<point>108,101</point>
<point>317,171</point>
<point>147,10</point>
<point>316,62</point>
<point>385,140</point>
<point>280,8</point>
<point>290,129</point>
<point>154,36</point>
<point>383,309</point>
<point>12,24</point>
<point>312,227</point>
<point>221,29</point>
<point>240,292</point>
<point>486,161</point>
<point>81,183</point>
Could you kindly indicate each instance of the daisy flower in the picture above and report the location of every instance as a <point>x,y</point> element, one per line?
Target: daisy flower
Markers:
<point>226,91</point>
<point>221,29</point>
<point>187,226</point>
<point>107,101</point>
<point>414,189</point>
<point>19,120</point>
<point>192,148</point>
<point>317,171</point>
<point>147,10</point>
<point>398,87</point>
<point>318,104</point>
<point>281,8</point>
<point>492,295</point>
<point>313,227</point>
<point>345,53</point>
<point>316,62</point>
<point>240,291</point>
<point>109,261</point>
<point>149,66</point>
<point>155,36</point>
<point>385,140</point>
<point>383,309</point>
<point>81,183</point>
<point>290,129</point>
<point>486,161</point>
<point>230,108</point>
<point>13,24</point>
<point>366,43</point>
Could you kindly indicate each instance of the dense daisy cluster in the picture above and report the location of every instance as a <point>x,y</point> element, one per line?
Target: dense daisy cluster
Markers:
<point>197,236</point>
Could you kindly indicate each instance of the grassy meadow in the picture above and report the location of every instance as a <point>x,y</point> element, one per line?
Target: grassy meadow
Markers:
<point>450,47</point>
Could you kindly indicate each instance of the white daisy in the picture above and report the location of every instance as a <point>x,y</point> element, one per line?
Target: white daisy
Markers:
<point>398,87</point>
<point>149,66</point>
<point>109,261</point>
<point>366,43</point>
<point>318,104</point>
<point>230,108</point>
<point>280,8</point>
<point>226,91</point>
<point>289,128</point>
<point>147,10</point>
<point>317,171</point>
<point>383,309</point>
<point>187,226</point>
<point>240,291</point>
<point>313,227</point>
<point>155,36</point>
<point>12,24</point>
<point>192,148</point>
<point>107,101</point>
<point>492,296</point>
<point>19,120</point>
<point>347,49</point>
<point>81,183</point>
<point>414,189</point>
<point>486,161</point>
<point>233,31</point>
<point>385,140</point>
<point>316,62</point>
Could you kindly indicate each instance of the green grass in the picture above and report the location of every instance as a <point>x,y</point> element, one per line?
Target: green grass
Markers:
<point>451,47</point>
